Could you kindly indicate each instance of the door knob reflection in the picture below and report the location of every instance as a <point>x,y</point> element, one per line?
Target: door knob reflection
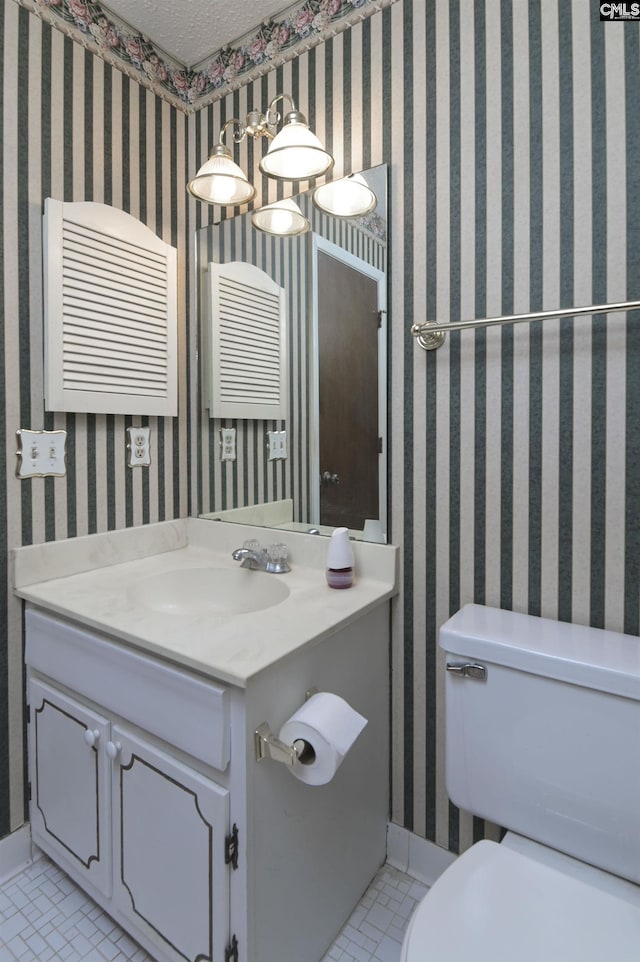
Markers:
<point>329,478</point>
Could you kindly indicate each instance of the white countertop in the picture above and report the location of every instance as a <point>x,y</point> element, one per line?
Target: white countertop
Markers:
<point>95,581</point>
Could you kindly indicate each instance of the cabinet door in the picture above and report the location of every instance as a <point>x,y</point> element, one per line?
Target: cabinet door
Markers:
<point>70,792</point>
<point>170,876</point>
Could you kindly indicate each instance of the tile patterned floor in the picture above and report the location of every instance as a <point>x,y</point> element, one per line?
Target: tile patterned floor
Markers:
<point>376,928</point>
<point>44,917</point>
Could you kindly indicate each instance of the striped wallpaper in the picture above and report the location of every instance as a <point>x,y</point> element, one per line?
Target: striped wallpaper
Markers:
<point>520,485</point>
<point>74,128</point>
<point>512,133</point>
<point>252,478</point>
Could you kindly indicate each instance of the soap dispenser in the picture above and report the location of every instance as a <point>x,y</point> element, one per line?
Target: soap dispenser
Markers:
<point>340,560</point>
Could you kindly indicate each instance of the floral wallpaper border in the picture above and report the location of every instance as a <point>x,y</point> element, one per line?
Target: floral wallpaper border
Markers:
<point>299,27</point>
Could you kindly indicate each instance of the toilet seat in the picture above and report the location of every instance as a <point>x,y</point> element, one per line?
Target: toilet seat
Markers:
<point>495,904</point>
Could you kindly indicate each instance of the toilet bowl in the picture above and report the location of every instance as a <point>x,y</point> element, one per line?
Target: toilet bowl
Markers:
<point>496,904</point>
<point>543,720</point>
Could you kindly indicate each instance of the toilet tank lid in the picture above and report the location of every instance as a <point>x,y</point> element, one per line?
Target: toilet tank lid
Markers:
<point>590,657</point>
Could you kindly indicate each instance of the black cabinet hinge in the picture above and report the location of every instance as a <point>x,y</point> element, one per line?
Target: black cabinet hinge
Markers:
<point>231,848</point>
<point>231,951</point>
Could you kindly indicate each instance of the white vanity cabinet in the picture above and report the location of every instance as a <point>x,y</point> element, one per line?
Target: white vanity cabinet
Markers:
<point>130,817</point>
<point>146,787</point>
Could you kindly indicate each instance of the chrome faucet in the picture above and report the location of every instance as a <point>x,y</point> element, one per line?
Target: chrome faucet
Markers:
<point>272,560</point>
<point>256,560</point>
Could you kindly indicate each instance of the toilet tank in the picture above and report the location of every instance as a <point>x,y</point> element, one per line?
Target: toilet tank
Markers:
<point>546,740</point>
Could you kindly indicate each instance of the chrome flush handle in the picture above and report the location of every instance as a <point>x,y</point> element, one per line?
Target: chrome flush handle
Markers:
<point>467,670</point>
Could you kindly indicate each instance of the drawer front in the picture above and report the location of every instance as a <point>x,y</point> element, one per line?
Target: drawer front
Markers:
<point>182,709</point>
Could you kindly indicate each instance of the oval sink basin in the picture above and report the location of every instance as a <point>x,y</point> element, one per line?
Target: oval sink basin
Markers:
<point>217,590</point>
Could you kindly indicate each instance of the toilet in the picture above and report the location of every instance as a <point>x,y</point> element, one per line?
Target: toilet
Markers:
<point>542,738</point>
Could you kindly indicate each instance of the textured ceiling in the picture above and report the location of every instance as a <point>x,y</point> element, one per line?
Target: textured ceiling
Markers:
<point>191,30</point>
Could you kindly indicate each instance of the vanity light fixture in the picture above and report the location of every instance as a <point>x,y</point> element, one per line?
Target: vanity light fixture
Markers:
<point>283,218</point>
<point>348,197</point>
<point>220,180</point>
<point>295,153</point>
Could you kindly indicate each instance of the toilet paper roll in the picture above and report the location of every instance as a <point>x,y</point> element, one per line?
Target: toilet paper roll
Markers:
<point>329,726</point>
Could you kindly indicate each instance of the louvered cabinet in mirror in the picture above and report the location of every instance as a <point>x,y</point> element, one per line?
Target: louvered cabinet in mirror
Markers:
<point>110,310</point>
<point>246,343</point>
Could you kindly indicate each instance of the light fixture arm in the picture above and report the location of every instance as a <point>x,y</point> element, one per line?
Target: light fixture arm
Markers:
<point>257,124</point>
<point>293,116</point>
<point>238,135</point>
<point>220,149</point>
<point>271,112</point>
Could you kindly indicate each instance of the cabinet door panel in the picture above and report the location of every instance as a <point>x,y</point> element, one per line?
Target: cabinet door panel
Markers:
<point>70,805</point>
<point>170,877</point>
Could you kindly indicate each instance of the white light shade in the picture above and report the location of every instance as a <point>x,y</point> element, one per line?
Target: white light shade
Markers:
<point>220,181</point>
<point>295,154</point>
<point>349,197</point>
<point>283,218</point>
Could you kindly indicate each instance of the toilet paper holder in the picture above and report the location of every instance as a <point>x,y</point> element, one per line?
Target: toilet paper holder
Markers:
<point>268,745</point>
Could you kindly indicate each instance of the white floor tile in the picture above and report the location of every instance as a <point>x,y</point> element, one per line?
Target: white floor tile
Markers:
<point>45,917</point>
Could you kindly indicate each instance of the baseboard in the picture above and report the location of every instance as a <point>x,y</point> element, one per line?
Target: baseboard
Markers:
<point>416,856</point>
<point>16,852</point>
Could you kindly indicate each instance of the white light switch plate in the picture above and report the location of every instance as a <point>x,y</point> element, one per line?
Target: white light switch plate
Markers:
<point>138,446</point>
<point>228,444</point>
<point>41,453</point>
<point>277,445</point>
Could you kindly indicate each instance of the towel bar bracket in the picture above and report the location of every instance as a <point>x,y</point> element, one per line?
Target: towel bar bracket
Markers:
<point>428,340</point>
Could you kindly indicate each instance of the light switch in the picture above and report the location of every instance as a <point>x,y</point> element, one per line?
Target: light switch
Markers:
<point>41,453</point>
<point>228,444</point>
<point>138,446</point>
<point>277,445</point>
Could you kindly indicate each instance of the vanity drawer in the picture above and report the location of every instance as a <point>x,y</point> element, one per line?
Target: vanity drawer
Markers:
<point>182,709</point>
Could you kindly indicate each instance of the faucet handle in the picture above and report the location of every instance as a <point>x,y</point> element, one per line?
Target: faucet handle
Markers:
<point>278,552</point>
<point>278,558</point>
<point>252,544</point>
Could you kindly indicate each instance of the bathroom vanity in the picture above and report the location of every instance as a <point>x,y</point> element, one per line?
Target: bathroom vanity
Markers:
<point>145,690</point>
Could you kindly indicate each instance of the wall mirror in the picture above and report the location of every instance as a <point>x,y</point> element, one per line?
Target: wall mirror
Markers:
<point>324,464</point>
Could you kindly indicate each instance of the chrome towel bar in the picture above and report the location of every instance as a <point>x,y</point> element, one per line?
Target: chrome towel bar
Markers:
<point>431,335</point>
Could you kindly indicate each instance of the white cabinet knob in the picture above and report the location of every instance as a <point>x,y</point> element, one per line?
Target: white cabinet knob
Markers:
<point>91,737</point>
<point>113,749</point>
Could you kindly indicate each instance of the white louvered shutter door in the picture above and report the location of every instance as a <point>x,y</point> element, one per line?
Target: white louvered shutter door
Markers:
<point>247,349</point>
<point>110,313</point>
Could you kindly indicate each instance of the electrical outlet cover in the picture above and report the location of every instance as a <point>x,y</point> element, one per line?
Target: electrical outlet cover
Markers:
<point>228,444</point>
<point>41,454</point>
<point>138,446</point>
